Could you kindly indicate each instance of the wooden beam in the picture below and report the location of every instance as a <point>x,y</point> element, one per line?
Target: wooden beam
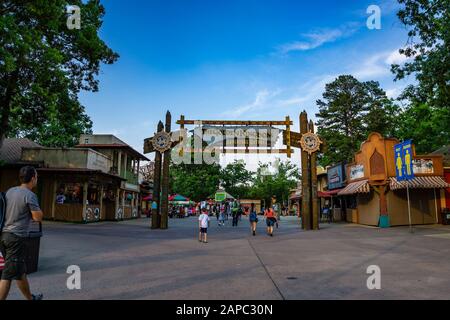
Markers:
<point>314,197</point>
<point>306,177</point>
<point>55,190</point>
<point>156,218</point>
<point>294,139</point>
<point>288,136</point>
<point>246,151</point>
<point>102,217</point>
<point>235,122</point>
<point>165,180</point>
<point>85,194</point>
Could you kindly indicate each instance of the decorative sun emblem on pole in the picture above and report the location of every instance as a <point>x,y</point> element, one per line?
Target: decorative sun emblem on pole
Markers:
<point>161,141</point>
<point>310,142</point>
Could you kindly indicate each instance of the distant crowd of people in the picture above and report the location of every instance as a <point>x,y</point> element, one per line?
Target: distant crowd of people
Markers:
<point>234,210</point>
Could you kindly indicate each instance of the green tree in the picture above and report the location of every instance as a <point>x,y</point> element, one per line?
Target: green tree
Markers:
<point>236,179</point>
<point>278,183</point>
<point>196,181</point>
<point>428,50</point>
<point>348,112</point>
<point>43,67</point>
<point>382,112</point>
<point>422,131</point>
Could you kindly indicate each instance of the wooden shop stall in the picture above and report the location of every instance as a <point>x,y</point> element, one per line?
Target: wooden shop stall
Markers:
<point>75,184</point>
<point>376,198</point>
<point>78,195</point>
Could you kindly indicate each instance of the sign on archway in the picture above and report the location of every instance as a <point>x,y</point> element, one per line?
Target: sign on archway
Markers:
<point>210,138</point>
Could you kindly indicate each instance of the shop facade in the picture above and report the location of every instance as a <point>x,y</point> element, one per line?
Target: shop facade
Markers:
<point>378,199</point>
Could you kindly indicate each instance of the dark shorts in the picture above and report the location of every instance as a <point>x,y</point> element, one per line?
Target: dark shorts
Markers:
<point>270,222</point>
<point>14,251</point>
<point>203,230</point>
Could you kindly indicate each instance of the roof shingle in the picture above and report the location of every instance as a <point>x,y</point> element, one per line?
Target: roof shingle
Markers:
<point>11,151</point>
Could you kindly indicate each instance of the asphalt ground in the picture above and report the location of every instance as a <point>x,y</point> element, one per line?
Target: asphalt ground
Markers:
<point>128,260</point>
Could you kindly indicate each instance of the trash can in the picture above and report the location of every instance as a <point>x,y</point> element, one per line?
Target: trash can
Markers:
<point>33,246</point>
<point>446,216</point>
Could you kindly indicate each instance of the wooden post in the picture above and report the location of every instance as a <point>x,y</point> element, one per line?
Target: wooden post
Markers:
<point>165,180</point>
<point>314,198</point>
<point>102,217</point>
<point>55,189</point>
<point>306,177</point>
<point>85,193</point>
<point>119,163</point>
<point>125,167</point>
<point>117,203</point>
<point>156,218</point>
<point>288,136</point>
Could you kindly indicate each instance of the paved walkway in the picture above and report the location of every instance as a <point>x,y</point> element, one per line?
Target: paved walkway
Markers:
<point>127,260</point>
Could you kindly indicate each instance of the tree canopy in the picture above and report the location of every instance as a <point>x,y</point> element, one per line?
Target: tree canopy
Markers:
<point>199,181</point>
<point>43,67</point>
<point>428,53</point>
<point>348,112</point>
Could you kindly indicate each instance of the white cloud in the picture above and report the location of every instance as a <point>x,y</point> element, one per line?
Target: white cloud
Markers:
<point>317,38</point>
<point>314,40</point>
<point>396,58</point>
<point>260,102</point>
<point>378,65</point>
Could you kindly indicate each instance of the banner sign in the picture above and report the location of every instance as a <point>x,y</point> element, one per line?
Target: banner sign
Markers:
<point>336,177</point>
<point>356,172</point>
<point>404,168</point>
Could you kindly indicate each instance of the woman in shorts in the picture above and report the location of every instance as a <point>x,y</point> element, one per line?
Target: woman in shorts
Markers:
<point>271,219</point>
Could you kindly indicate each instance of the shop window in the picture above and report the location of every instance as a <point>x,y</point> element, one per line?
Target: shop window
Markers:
<point>69,193</point>
<point>109,195</point>
<point>128,198</point>
<point>93,195</point>
<point>351,202</point>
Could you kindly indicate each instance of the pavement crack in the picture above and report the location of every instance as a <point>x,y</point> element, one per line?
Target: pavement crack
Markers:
<point>266,270</point>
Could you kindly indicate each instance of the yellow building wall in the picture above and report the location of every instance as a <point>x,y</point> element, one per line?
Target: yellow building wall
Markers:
<point>369,208</point>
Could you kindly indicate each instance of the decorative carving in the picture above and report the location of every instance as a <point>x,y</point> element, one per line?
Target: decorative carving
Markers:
<point>377,163</point>
<point>89,214</point>
<point>310,142</point>
<point>161,141</point>
<point>119,215</point>
<point>97,214</point>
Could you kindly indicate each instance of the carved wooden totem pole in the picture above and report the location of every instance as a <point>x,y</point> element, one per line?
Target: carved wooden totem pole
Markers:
<point>161,144</point>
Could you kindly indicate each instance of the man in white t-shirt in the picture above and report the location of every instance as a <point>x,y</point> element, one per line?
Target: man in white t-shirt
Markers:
<point>203,223</point>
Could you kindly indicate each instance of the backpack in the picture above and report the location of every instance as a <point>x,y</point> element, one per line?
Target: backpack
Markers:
<point>2,210</point>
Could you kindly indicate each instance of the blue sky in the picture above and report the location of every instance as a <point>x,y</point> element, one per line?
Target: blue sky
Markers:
<point>229,59</point>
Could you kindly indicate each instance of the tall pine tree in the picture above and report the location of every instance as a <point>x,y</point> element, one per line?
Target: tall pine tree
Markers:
<point>348,112</point>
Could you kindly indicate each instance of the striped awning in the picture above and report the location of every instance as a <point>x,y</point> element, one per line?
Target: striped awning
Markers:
<point>361,186</point>
<point>430,182</point>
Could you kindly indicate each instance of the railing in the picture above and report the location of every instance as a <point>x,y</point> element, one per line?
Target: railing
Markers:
<point>130,176</point>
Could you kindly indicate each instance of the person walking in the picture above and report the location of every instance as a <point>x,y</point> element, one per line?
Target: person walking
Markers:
<point>235,213</point>
<point>203,223</point>
<point>222,215</point>
<point>22,207</point>
<point>271,219</point>
<point>253,218</point>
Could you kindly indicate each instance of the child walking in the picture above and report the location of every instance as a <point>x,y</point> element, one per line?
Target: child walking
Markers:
<point>203,223</point>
